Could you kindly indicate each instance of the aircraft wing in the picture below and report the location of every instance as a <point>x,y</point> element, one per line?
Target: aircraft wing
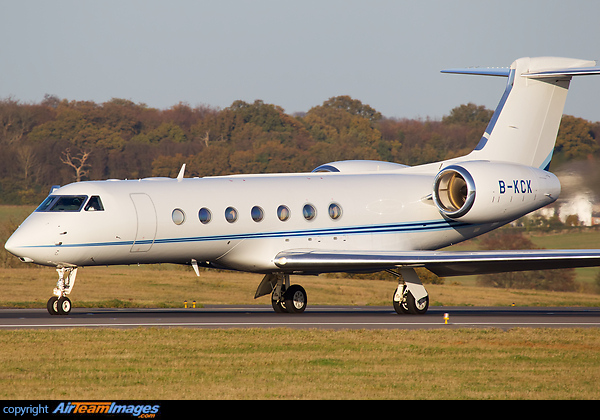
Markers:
<point>442,263</point>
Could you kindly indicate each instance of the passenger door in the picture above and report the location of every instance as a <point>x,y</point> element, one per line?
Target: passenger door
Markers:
<point>146,222</point>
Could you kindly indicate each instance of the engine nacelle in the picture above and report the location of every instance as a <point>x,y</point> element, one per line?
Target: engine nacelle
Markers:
<point>359,166</point>
<point>484,191</point>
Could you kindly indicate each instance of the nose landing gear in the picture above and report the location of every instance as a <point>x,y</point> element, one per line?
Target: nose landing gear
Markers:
<point>60,304</point>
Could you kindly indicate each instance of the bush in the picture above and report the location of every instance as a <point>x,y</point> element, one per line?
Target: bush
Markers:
<point>562,280</point>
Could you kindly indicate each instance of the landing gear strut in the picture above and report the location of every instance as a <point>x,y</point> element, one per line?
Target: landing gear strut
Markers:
<point>285,298</point>
<point>60,304</point>
<point>410,297</point>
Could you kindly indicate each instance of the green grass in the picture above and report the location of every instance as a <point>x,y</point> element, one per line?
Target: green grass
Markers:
<point>300,364</point>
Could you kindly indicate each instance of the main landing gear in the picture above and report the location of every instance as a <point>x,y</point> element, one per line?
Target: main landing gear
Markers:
<point>285,298</point>
<point>60,304</point>
<point>410,296</point>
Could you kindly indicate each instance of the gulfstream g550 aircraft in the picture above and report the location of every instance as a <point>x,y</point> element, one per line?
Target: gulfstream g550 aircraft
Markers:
<point>341,217</point>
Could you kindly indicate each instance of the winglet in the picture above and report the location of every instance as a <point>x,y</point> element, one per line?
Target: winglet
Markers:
<point>181,171</point>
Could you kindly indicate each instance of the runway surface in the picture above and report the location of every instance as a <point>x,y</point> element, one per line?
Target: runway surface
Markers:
<point>323,317</point>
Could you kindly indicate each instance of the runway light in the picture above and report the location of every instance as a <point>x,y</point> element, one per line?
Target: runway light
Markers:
<point>185,303</point>
<point>193,304</point>
<point>446,318</point>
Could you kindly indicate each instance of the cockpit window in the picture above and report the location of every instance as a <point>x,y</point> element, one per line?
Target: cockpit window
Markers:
<point>46,203</point>
<point>95,204</point>
<point>63,203</point>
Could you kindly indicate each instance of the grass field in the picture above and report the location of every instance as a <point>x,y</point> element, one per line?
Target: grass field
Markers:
<point>300,364</point>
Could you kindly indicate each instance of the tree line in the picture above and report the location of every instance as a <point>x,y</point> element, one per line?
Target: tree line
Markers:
<point>58,141</point>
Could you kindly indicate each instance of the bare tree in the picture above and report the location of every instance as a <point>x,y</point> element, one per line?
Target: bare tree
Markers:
<point>26,157</point>
<point>206,138</point>
<point>76,162</point>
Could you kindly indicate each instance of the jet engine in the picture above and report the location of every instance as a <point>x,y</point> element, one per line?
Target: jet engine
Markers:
<point>359,166</point>
<point>484,191</point>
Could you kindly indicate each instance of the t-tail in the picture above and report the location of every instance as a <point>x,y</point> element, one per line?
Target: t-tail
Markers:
<point>525,124</point>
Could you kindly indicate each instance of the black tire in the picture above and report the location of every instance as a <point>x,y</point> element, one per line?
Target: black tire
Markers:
<point>64,305</point>
<point>278,305</point>
<point>52,305</point>
<point>401,307</point>
<point>295,299</point>
<point>417,308</point>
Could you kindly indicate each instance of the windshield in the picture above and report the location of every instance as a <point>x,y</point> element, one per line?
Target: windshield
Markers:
<point>63,203</point>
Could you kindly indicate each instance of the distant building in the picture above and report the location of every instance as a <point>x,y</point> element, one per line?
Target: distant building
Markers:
<point>575,200</point>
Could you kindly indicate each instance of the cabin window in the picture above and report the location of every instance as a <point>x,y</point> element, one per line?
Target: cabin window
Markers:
<point>231,214</point>
<point>335,211</point>
<point>204,215</point>
<point>309,212</point>
<point>178,216</point>
<point>62,203</point>
<point>257,214</point>
<point>95,204</point>
<point>283,213</point>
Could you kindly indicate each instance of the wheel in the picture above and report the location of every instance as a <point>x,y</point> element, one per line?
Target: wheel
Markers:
<point>52,305</point>
<point>278,305</point>
<point>417,308</point>
<point>295,299</point>
<point>401,306</point>
<point>64,305</point>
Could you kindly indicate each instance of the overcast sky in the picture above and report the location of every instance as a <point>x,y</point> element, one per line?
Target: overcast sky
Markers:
<point>295,54</point>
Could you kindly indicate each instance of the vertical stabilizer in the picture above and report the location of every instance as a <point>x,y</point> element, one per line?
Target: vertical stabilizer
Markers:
<point>524,126</point>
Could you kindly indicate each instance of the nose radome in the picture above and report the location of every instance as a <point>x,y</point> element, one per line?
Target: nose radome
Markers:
<point>13,246</point>
<point>10,245</point>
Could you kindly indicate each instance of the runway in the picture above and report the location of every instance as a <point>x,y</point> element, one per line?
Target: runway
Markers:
<point>320,317</point>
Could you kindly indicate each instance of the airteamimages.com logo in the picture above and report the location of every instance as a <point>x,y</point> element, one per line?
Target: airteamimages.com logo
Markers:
<point>146,411</point>
<point>83,408</point>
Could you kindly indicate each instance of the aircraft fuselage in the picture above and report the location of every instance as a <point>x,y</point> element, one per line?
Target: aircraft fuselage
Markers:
<point>239,223</point>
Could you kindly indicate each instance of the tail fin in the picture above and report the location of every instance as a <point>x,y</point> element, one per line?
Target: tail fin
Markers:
<point>524,126</point>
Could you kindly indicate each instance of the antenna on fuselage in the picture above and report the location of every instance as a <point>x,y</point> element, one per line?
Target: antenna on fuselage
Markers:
<point>181,171</point>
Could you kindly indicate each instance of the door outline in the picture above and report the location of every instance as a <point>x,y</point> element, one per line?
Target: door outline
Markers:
<point>145,213</point>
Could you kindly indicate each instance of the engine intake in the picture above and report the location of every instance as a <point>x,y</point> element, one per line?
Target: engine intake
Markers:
<point>454,191</point>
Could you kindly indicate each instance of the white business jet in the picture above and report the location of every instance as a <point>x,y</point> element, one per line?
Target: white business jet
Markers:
<point>348,216</point>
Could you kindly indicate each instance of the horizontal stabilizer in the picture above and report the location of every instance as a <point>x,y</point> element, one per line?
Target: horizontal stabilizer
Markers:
<point>442,263</point>
<point>581,71</point>
<point>532,72</point>
<point>481,71</point>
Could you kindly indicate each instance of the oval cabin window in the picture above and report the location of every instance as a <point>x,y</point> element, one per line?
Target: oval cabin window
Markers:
<point>231,214</point>
<point>283,213</point>
<point>204,215</point>
<point>257,214</point>
<point>309,212</point>
<point>178,216</point>
<point>335,211</point>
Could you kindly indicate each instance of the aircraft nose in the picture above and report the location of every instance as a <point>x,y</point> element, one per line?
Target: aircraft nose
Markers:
<point>10,245</point>
<point>14,245</point>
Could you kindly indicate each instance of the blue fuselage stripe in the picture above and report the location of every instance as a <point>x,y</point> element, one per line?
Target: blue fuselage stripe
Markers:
<point>435,225</point>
